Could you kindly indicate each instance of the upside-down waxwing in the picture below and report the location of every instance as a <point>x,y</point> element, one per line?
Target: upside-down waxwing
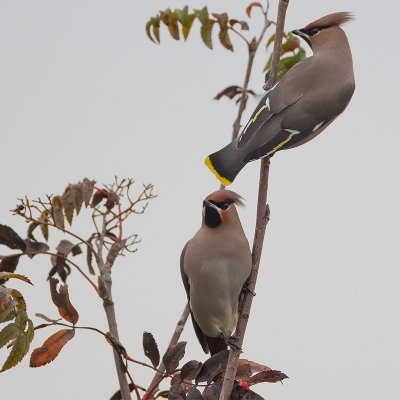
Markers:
<point>301,105</point>
<point>215,265</point>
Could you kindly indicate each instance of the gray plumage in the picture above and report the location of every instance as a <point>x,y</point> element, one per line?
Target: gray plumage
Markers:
<point>215,265</point>
<point>300,106</point>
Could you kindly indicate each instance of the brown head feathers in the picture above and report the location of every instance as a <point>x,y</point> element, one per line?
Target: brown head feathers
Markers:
<point>221,195</point>
<point>331,19</point>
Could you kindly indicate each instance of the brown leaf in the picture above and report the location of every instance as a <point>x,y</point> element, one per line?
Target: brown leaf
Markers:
<point>173,26</point>
<point>194,394</point>
<point>64,248</point>
<point>251,5</point>
<point>9,263</point>
<point>10,238</point>
<point>190,370</point>
<point>76,250</point>
<point>243,370</point>
<point>77,196</point>
<point>57,213</point>
<point>213,367</point>
<point>31,227</point>
<point>87,187</point>
<point>98,196</point>
<point>67,200</point>
<point>172,357</point>
<point>44,227</point>
<point>271,376</point>
<point>51,348</point>
<point>213,391</point>
<point>151,349</point>
<point>8,275</point>
<point>176,392</point>
<point>61,300</point>
<point>33,247</point>
<point>244,26</point>
<point>89,257</point>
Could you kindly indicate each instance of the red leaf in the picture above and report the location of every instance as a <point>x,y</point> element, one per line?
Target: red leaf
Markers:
<point>61,300</point>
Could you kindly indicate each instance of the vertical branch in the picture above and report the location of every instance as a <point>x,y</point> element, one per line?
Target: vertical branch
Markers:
<point>261,223</point>
<point>174,340</point>
<point>105,284</point>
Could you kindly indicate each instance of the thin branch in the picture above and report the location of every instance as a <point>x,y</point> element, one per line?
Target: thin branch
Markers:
<point>261,223</point>
<point>174,340</point>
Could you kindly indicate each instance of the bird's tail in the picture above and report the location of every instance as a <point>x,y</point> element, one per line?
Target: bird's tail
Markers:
<point>225,164</point>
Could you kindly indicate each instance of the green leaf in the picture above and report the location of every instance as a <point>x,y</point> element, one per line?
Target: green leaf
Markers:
<point>224,39</point>
<point>154,23</point>
<point>185,19</point>
<point>202,15</point>
<point>270,40</point>
<point>8,333</point>
<point>18,351</point>
<point>206,33</point>
<point>287,63</point>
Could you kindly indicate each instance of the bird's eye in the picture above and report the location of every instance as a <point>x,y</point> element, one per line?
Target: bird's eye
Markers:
<point>225,204</point>
<point>314,31</point>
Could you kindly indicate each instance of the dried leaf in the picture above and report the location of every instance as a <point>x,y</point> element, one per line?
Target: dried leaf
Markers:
<point>173,26</point>
<point>64,248</point>
<point>185,19</point>
<point>7,304</point>
<point>98,196</point>
<point>176,392</point>
<point>271,376</point>
<point>44,227</point>
<point>87,187</point>
<point>190,370</point>
<point>151,349</point>
<point>89,257</point>
<point>77,197</point>
<point>206,33</point>
<point>57,213</point>
<point>76,250</point>
<point>172,357</point>
<point>153,23</point>
<point>244,26</point>
<point>194,394</point>
<point>33,248</point>
<point>31,227</point>
<point>61,300</point>
<point>51,348</point>
<point>213,391</point>
<point>10,238</point>
<point>19,349</point>
<point>68,203</point>
<point>9,263</point>
<point>225,39</point>
<point>8,275</point>
<point>251,5</point>
<point>213,367</point>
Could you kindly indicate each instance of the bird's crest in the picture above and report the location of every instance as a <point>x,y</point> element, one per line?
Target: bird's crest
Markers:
<point>221,195</point>
<point>331,19</point>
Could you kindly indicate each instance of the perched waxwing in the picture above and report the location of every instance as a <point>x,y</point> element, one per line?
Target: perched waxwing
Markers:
<point>215,265</point>
<point>301,105</point>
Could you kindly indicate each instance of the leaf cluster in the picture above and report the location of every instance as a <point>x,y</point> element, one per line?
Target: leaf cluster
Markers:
<point>196,380</point>
<point>184,19</point>
<point>19,333</point>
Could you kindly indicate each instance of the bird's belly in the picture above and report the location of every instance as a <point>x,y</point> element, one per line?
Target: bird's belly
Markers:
<point>214,298</point>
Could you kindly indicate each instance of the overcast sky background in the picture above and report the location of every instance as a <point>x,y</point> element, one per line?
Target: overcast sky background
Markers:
<point>83,92</point>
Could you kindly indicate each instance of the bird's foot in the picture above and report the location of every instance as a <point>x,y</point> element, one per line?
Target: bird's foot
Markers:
<point>231,343</point>
<point>246,288</point>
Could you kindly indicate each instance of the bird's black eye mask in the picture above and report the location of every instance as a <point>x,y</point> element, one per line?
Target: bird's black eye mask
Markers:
<point>223,205</point>
<point>312,31</point>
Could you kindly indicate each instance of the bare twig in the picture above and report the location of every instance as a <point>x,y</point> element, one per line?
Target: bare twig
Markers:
<point>261,223</point>
<point>174,340</point>
<point>252,50</point>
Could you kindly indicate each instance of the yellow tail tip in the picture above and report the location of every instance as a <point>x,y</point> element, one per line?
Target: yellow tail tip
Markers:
<point>223,180</point>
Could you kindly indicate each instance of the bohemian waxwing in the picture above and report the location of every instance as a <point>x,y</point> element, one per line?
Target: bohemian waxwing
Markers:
<point>301,105</point>
<point>215,265</point>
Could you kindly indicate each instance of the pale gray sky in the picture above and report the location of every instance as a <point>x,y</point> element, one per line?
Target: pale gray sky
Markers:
<point>83,92</point>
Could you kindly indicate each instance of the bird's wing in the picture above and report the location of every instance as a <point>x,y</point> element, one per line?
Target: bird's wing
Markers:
<point>199,333</point>
<point>286,92</point>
